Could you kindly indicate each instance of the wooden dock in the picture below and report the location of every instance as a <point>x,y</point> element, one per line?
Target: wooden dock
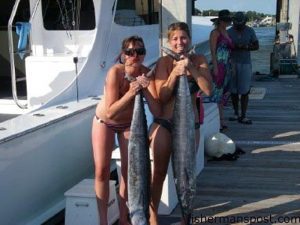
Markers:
<point>263,185</point>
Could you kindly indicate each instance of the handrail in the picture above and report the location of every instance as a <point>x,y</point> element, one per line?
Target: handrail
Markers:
<point>34,10</point>
<point>12,52</point>
<point>11,56</point>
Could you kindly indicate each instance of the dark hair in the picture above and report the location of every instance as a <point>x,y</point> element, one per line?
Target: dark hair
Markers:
<point>132,40</point>
<point>223,15</point>
<point>239,18</point>
<point>178,26</point>
<point>126,42</point>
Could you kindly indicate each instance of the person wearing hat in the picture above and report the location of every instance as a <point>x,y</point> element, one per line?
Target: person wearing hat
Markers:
<point>220,47</point>
<point>244,40</point>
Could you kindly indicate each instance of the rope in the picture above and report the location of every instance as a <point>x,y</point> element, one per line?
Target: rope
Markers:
<point>65,8</point>
<point>64,17</point>
<point>78,13</point>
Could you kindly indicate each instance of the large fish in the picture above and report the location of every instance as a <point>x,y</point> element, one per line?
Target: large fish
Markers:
<point>183,145</point>
<point>139,169</point>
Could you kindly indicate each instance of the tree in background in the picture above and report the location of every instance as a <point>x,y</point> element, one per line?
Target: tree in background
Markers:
<point>252,15</point>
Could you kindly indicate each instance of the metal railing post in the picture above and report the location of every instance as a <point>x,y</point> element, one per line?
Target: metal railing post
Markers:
<point>11,56</point>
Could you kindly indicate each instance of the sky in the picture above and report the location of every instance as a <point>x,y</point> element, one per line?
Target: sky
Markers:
<point>262,6</point>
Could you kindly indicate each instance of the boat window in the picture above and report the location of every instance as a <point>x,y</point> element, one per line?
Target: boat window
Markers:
<point>68,14</point>
<point>137,12</point>
<point>22,14</point>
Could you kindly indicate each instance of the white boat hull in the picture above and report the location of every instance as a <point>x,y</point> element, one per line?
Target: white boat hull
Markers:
<point>34,163</point>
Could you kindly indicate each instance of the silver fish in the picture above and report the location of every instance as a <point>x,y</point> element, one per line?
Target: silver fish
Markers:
<point>184,146</point>
<point>139,168</point>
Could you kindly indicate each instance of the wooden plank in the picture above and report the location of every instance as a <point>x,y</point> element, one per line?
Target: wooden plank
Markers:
<point>265,180</point>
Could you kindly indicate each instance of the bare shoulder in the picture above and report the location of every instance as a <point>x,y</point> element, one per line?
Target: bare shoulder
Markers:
<point>214,33</point>
<point>114,71</point>
<point>164,61</point>
<point>117,68</point>
<point>163,66</point>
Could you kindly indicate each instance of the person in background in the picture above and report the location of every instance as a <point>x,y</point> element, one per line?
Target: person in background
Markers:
<point>167,71</point>
<point>244,40</point>
<point>220,47</point>
<point>113,116</point>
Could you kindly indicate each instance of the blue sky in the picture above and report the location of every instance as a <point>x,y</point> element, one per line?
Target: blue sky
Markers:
<point>262,6</point>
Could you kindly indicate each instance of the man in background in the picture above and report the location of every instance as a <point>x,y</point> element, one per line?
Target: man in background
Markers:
<point>244,40</point>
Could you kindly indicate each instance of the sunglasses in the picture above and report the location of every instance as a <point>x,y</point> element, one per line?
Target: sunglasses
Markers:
<point>132,51</point>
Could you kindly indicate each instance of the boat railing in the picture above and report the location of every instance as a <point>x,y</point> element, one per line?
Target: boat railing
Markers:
<point>12,52</point>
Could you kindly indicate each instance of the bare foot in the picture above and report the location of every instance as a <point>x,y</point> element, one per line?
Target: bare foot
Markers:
<point>153,219</point>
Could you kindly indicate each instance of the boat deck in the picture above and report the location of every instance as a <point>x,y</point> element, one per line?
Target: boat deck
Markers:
<point>265,182</point>
<point>8,108</point>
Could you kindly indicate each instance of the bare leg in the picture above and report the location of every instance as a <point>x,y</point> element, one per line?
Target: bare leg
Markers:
<point>197,133</point>
<point>161,147</point>
<point>244,104</point>
<point>235,103</point>
<point>220,106</point>
<point>123,141</point>
<point>103,142</point>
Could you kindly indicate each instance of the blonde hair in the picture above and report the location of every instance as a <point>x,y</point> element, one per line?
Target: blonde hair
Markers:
<point>178,26</point>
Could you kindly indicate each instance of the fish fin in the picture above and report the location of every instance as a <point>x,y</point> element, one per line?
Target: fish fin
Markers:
<point>171,53</point>
<point>192,50</point>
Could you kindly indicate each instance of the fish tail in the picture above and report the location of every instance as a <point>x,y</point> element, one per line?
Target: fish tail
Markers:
<point>187,219</point>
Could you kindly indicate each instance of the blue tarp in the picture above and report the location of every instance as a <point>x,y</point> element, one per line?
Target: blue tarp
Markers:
<point>22,29</point>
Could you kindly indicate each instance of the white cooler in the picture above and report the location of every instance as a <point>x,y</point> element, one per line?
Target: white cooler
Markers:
<point>81,204</point>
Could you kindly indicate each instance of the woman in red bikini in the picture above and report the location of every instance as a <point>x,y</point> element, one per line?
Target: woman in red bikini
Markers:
<point>113,116</point>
